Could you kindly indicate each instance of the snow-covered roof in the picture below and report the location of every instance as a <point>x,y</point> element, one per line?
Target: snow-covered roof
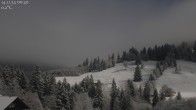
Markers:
<point>5,101</point>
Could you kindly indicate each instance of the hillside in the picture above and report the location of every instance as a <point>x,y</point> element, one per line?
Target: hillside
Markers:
<point>183,81</point>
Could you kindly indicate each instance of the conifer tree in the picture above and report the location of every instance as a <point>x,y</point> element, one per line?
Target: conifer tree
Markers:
<point>178,97</point>
<point>144,54</point>
<point>86,62</point>
<point>151,78</point>
<point>125,101</point>
<point>95,64</point>
<point>90,66</point>
<point>71,99</point>
<point>35,79</point>
<point>114,94</point>
<point>117,104</point>
<point>77,88</point>
<point>59,104</point>
<point>101,65</point>
<point>49,83</point>
<point>124,56</point>
<point>113,60</point>
<point>162,95</point>
<point>155,98</point>
<point>36,82</point>
<point>63,95</point>
<point>98,99</point>
<point>140,91</point>
<point>137,74</point>
<point>146,92</point>
<point>12,71</point>
<point>22,81</point>
<point>92,88</point>
<point>138,60</point>
<point>85,84</point>
<point>6,74</point>
<point>118,59</point>
<point>131,88</point>
<point>194,53</point>
<point>104,65</point>
<point>194,47</point>
<point>122,99</point>
<point>98,64</point>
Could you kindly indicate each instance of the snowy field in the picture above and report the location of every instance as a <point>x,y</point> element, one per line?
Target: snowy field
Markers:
<point>183,81</point>
<point>119,73</point>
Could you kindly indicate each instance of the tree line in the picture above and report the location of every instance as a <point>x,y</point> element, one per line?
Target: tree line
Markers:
<point>164,53</point>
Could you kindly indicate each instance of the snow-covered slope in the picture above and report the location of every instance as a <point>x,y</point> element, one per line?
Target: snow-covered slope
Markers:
<point>183,81</point>
<point>119,73</point>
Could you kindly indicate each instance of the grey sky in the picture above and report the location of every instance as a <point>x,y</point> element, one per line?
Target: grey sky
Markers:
<point>68,31</point>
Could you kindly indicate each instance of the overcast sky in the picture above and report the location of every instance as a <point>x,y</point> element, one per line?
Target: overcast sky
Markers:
<point>68,31</point>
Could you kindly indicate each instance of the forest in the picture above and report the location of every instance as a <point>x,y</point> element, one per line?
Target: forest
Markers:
<point>40,90</point>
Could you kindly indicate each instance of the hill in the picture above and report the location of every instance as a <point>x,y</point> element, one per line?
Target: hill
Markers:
<point>183,80</point>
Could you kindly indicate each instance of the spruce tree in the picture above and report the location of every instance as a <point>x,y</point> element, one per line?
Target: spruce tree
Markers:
<point>162,95</point>
<point>138,60</point>
<point>36,82</point>
<point>125,101</point>
<point>118,59</point>
<point>59,104</point>
<point>124,56</point>
<point>95,64</point>
<point>63,95</point>
<point>86,62</point>
<point>151,78</point>
<point>113,60</point>
<point>49,83</point>
<point>178,97</point>
<point>77,88</point>
<point>155,98</point>
<point>101,65</point>
<point>117,104</point>
<point>137,74</point>
<point>85,84</point>
<point>194,47</point>
<point>146,92</point>
<point>104,65</point>
<point>90,68</point>
<point>131,88</point>
<point>98,98</point>
<point>122,99</point>
<point>114,94</point>
<point>194,53</point>
<point>6,74</point>
<point>71,99</point>
<point>22,81</point>
<point>35,79</point>
<point>140,91</point>
<point>98,64</point>
<point>92,88</point>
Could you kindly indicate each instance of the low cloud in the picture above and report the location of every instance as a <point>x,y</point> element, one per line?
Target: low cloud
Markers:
<point>66,32</point>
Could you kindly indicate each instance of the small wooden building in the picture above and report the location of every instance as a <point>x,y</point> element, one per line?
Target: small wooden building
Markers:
<point>12,103</point>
